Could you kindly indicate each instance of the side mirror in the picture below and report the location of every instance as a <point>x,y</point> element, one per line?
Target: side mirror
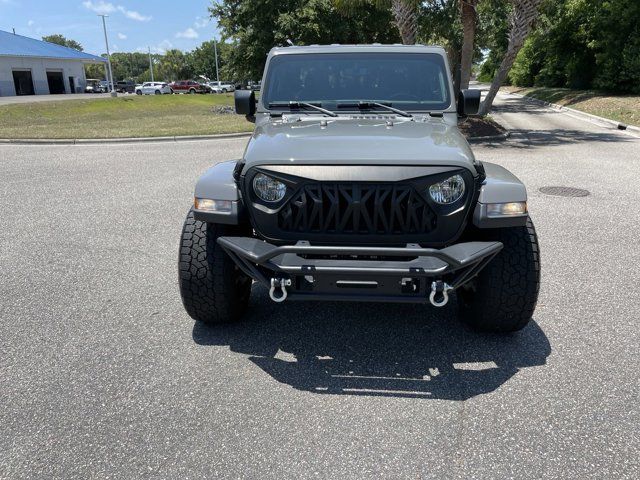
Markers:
<point>468,102</point>
<point>245,101</point>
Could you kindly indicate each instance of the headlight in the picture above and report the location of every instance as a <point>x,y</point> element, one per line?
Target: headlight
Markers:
<point>268,189</point>
<point>447,191</point>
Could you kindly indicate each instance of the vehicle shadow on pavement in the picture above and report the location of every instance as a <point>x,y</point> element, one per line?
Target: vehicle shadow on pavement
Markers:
<point>394,350</point>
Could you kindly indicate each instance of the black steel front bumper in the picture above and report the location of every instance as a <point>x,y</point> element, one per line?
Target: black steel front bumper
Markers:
<point>388,274</point>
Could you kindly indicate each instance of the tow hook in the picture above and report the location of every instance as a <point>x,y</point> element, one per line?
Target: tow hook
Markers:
<point>439,288</point>
<point>281,283</point>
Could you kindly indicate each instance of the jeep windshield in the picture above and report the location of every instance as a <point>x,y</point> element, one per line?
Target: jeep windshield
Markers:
<point>408,81</point>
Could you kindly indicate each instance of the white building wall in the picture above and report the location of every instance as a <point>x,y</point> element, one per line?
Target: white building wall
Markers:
<point>38,68</point>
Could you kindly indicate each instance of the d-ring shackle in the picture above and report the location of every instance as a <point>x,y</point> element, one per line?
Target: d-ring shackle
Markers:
<point>442,288</point>
<point>281,283</point>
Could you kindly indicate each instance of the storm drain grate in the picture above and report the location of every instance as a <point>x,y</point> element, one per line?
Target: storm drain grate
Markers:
<point>564,191</point>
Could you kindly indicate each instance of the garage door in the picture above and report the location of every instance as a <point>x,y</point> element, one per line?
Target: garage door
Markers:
<point>56,82</point>
<point>23,82</point>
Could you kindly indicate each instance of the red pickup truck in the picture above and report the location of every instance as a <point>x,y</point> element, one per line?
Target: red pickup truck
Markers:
<point>189,86</point>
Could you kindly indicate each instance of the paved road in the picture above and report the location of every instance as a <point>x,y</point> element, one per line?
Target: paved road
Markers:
<point>50,98</point>
<point>102,374</point>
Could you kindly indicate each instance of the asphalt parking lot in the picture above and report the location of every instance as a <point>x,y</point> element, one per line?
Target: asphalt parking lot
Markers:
<point>103,375</point>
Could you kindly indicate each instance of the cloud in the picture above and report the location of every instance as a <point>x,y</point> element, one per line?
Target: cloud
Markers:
<point>201,22</point>
<point>188,33</point>
<point>100,7</point>
<point>30,23</point>
<point>122,36</point>
<point>160,48</point>
<point>133,15</point>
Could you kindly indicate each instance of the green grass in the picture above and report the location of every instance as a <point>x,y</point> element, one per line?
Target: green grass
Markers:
<point>125,116</point>
<point>621,108</point>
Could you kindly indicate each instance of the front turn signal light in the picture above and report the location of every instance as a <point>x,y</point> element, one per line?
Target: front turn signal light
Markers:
<point>210,205</point>
<point>511,209</point>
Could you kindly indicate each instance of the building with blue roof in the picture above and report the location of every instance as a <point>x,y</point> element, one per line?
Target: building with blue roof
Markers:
<point>33,67</point>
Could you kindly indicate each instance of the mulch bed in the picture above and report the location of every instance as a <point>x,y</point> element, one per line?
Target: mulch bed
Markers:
<point>473,127</point>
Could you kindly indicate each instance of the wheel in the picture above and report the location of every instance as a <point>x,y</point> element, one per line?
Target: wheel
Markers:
<point>192,91</point>
<point>503,297</point>
<point>138,92</point>
<point>213,288</point>
<point>224,90</point>
<point>157,92</point>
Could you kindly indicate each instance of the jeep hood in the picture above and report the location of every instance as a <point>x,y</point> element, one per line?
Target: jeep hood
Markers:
<point>340,141</point>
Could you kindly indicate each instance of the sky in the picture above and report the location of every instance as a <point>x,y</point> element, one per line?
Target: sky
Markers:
<point>131,25</point>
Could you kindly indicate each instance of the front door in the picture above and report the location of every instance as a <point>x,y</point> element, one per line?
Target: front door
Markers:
<point>72,84</point>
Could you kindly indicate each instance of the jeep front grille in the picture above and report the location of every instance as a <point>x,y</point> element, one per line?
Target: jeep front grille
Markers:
<point>357,209</point>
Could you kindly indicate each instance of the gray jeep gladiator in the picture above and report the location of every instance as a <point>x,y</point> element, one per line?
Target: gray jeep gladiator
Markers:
<point>357,185</point>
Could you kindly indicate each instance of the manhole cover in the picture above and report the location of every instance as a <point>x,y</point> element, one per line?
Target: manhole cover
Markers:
<point>564,191</point>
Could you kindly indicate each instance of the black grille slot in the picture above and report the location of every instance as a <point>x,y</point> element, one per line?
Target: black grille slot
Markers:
<point>357,209</point>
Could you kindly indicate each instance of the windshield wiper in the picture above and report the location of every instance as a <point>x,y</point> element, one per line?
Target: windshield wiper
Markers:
<point>298,105</point>
<point>370,105</point>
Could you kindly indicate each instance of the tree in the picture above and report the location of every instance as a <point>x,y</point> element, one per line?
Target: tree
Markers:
<point>95,70</point>
<point>468,17</point>
<point>521,20</point>
<point>59,39</point>
<point>583,44</point>
<point>492,32</point>
<point>202,60</point>
<point>405,14</point>
<point>173,66</point>
<point>255,26</point>
<point>439,24</point>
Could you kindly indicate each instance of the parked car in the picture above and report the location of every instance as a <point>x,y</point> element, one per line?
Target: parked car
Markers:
<point>105,86</point>
<point>221,87</point>
<point>125,86</point>
<point>329,202</point>
<point>94,86</point>
<point>154,88</point>
<point>255,86</point>
<point>189,86</point>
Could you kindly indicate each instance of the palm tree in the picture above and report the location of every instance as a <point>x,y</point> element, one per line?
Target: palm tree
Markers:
<point>521,20</point>
<point>405,14</point>
<point>468,16</point>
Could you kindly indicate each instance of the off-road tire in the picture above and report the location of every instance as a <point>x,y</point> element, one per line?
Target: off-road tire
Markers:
<point>213,289</point>
<point>504,295</point>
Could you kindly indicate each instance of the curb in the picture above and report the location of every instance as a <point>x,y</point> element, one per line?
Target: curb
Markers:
<point>94,141</point>
<point>489,138</point>
<point>577,113</point>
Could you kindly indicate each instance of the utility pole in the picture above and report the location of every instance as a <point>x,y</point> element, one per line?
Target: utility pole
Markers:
<point>215,51</point>
<point>106,42</point>
<point>150,64</point>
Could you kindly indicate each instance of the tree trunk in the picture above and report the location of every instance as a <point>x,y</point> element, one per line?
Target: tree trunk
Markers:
<point>405,14</point>
<point>524,14</point>
<point>468,16</point>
